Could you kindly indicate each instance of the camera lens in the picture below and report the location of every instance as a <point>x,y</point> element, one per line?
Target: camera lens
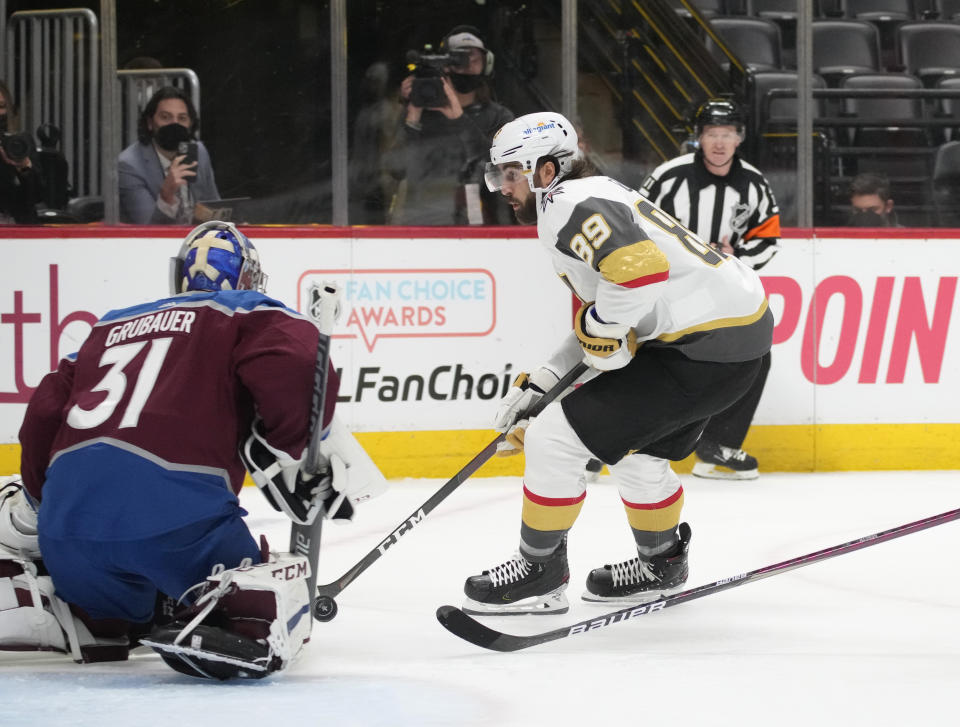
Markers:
<point>428,93</point>
<point>17,146</point>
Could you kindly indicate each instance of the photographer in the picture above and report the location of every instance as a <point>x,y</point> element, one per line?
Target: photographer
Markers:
<point>445,138</point>
<point>20,183</point>
<point>160,184</point>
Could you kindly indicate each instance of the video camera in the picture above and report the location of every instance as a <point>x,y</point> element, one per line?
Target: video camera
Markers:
<point>428,71</point>
<point>17,147</point>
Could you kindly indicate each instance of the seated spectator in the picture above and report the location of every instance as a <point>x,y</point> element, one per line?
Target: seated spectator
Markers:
<point>21,186</point>
<point>444,142</point>
<point>870,202</point>
<point>158,184</point>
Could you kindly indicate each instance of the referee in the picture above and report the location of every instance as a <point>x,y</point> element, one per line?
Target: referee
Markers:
<point>727,202</point>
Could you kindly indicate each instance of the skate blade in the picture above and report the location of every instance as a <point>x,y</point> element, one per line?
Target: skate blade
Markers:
<point>554,602</point>
<point>718,472</point>
<point>633,599</point>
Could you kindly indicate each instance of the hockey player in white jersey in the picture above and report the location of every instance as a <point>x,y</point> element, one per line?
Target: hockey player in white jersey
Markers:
<point>674,332</point>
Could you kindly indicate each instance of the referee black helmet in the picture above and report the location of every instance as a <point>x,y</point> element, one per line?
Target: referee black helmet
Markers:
<point>718,112</point>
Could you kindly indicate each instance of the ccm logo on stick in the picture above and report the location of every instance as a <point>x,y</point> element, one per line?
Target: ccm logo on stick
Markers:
<point>401,531</point>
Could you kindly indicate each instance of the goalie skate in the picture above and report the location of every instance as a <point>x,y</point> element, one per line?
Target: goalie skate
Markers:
<point>519,586</point>
<point>247,622</point>
<point>641,580</point>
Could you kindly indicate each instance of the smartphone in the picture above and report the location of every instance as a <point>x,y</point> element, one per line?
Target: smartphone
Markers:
<point>189,149</point>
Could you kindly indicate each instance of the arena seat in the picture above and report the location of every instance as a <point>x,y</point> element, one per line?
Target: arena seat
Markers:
<point>930,50</point>
<point>892,114</point>
<point>882,10</point>
<point>754,41</point>
<point>946,184</point>
<point>772,9</point>
<point>947,9</point>
<point>949,108</point>
<point>844,47</point>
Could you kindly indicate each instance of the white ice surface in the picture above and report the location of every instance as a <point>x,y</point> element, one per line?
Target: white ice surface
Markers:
<point>868,638</point>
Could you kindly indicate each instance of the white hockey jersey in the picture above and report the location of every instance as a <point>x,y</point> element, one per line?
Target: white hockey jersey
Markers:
<point>643,269</point>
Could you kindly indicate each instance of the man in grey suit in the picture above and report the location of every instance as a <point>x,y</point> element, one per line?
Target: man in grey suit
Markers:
<point>158,183</point>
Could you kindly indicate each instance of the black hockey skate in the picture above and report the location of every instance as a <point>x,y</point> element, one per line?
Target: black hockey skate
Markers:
<point>724,463</point>
<point>641,580</point>
<point>519,586</point>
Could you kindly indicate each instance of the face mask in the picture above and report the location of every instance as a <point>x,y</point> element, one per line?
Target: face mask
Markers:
<point>169,137</point>
<point>465,83</point>
<point>868,218</point>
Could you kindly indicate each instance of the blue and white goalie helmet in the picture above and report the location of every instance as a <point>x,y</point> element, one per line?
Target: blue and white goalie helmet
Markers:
<point>216,256</point>
<point>526,140</point>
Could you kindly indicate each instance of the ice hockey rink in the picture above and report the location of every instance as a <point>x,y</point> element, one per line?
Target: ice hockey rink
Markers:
<point>867,638</point>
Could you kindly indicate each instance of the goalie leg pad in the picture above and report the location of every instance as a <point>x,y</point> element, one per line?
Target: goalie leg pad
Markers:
<point>247,622</point>
<point>34,618</point>
<point>18,518</point>
<point>27,622</point>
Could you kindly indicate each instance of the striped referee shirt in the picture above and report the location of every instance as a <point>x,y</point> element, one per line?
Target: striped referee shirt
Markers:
<point>739,206</point>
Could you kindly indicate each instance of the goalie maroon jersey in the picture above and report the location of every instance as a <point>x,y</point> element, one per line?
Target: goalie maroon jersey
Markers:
<point>151,410</point>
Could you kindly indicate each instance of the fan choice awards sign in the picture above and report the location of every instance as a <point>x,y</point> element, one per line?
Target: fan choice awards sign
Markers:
<point>433,329</point>
<point>411,303</point>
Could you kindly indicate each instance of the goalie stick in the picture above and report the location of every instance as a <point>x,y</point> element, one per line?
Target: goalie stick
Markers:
<point>324,606</point>
<point>305,539</point>
<point>460,624</point>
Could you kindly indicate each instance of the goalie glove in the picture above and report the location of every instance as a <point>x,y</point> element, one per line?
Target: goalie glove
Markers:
<point>362,479</point>
<point>298,495</point>
<point>606,346</point>
<point>511,417</point>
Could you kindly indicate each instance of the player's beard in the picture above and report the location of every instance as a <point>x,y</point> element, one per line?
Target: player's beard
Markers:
<point>526,213</point>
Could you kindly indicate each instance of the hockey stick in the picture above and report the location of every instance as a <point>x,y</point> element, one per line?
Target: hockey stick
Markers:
<point>324,605</point>
<point>460,624</point>
<point>305,539</point>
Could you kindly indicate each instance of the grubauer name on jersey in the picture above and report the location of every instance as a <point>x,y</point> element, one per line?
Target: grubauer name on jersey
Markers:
<point>152,408</point>
<point>645,270</point>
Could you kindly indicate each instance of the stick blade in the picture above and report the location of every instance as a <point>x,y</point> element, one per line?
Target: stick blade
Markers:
<point>469,629</point>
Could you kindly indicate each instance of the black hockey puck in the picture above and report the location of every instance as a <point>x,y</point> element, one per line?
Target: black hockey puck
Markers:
<point>324,608</point>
